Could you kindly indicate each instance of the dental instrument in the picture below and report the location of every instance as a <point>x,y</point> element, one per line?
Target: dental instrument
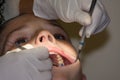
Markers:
<point>82,41</point>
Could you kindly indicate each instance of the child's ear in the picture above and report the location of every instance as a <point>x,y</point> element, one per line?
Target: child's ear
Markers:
<point>26,6</point>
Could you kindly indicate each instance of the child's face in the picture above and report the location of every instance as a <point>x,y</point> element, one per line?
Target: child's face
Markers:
<point>38,32</point>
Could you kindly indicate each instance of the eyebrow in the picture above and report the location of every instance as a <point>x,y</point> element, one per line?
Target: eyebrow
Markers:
<point>55,23</point>
<point>17,29</point>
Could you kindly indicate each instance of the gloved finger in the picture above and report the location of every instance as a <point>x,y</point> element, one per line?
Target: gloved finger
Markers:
<point>41,65</point>
<point>39,52</point>
<point>45,75</point>
<point>70,13</point>
<point>83,18</point>
<point>100,20</point>
<point>35,74</point>
<point>96,17</point>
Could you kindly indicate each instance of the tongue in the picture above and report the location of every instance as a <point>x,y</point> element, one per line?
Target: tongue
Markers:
<point>53,57</point>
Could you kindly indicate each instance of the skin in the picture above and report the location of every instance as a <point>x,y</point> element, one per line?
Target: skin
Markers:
<point>23,8</point>
<point>31,28</point>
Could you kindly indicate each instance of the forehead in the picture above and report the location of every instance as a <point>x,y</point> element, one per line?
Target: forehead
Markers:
<point>26,20</point>
<point>22,20</point>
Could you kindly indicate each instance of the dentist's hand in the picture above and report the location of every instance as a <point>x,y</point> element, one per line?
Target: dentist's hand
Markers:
<point>73,11</point>
<point>99,19</point>
<point>31,64</point>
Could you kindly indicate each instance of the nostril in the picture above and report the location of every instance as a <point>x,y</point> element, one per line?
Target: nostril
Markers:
<point>50,38</point>
<point>41,39</point>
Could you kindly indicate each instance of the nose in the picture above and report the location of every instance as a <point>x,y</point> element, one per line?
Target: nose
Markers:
<point>44,37</point>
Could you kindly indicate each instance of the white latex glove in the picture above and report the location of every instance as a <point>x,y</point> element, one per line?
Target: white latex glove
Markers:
<point>73,11</point>
<point>30,64</point>
<point>100,20</point>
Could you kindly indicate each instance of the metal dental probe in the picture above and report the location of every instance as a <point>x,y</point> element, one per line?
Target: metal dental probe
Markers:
<point>82,41</point>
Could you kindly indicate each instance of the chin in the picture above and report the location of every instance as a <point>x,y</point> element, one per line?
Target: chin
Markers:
<point>68,72</point>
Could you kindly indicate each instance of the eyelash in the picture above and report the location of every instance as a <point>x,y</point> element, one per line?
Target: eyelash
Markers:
<point>21,41</point>
<point>59,37</point>
<point>25,40</point>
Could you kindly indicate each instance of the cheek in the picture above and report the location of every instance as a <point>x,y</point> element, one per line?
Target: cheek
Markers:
<point>67,48</point>
<point>0,48</point>
<point>2,43</point>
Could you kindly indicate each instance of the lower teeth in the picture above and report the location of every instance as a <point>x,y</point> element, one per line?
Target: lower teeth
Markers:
<point>60,61</point>
<point>57,60</point>
<point>60,65</point>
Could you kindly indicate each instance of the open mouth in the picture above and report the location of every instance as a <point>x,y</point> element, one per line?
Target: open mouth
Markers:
<point>59,58</point>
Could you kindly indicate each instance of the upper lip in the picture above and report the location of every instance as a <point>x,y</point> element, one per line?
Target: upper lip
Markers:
<point>62,53</point>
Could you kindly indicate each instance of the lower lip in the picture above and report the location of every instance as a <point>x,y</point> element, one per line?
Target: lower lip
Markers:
<point>83,77</point>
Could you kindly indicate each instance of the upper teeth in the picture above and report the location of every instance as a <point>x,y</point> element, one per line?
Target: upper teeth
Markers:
<point>53,53</point>
<point>59,59</point>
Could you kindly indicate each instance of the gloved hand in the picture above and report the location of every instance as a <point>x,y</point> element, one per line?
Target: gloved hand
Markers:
<point>30,64</point>
<point>73,11</point>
